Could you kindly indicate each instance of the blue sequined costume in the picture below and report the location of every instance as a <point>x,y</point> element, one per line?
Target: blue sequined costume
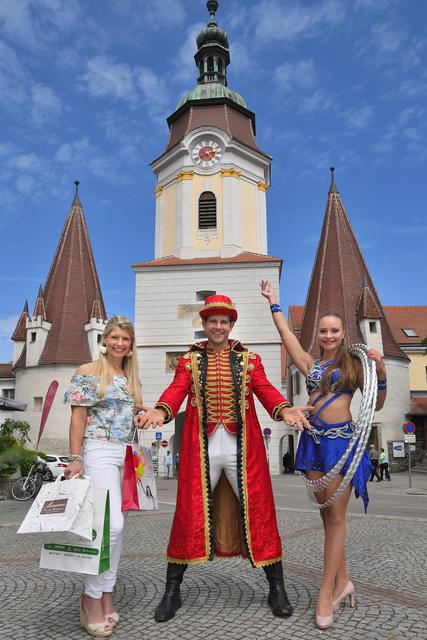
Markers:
<point>321,448</point>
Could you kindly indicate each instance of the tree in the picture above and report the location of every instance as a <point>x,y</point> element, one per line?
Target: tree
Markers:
<point>14,435</point>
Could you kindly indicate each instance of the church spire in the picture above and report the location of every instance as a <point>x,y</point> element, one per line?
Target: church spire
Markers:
<point>71,288</point>
<point>20,333</point>
<point>213,56</point>
<point>341,282</point>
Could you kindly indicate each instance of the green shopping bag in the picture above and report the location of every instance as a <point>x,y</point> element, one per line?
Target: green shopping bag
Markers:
<point>76,554</point>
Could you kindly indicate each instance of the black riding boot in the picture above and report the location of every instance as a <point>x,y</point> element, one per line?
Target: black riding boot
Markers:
<point>171,601</point>
<point>277,598</point>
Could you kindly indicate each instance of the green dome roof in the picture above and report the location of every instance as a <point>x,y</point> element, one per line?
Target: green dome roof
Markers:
<point>212,90</point>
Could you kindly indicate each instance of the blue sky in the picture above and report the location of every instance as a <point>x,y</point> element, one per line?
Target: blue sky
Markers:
<point>85,89</point>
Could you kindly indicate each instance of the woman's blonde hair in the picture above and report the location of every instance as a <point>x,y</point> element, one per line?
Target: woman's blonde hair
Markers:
<point>343,361</point>
<point>130,363</point>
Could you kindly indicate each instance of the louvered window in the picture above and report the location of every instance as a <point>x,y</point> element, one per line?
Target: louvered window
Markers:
<point>207,210</point>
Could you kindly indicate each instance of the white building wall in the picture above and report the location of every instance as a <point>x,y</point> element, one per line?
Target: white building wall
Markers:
<point>159,293</point>
<point>34,382</point>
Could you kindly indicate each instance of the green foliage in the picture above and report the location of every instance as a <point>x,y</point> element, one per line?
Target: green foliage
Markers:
<point>13,432</point>
<point>424,343</point>
<point>14,435</point>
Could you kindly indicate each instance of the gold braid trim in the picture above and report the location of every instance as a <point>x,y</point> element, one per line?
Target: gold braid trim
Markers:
<point>189,561</point>
<point>276,411</point>
<point>265,563</point>
<point>244,453</point>
<point>203,453</point>
<point>167,408</point>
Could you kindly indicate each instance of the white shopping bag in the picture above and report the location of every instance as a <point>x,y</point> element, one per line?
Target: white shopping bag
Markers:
<point>62,506</point>
<point>70,553</point>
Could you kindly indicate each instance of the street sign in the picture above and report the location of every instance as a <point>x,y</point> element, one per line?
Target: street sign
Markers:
<point>159,435</point>
<point>412,448</point>
<point>409,427</point>
<point>267,431</point>
<point>398,449</point>
<point>410,437</point>
<point>164,443</point>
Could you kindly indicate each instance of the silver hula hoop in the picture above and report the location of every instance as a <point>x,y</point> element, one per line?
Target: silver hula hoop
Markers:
<point>360,437</point>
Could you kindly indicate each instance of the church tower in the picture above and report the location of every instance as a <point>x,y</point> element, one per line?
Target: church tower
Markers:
<point>212,178</point>
<point>210,232</point>
<point>341,282</point>
<point>63,331</point>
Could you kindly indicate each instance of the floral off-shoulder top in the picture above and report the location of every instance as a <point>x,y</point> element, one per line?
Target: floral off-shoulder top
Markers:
<point>109,418</point>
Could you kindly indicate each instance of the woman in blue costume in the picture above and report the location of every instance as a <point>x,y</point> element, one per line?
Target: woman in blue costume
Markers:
<point>331,382</point>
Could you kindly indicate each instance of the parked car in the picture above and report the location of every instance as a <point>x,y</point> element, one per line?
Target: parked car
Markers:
<point>56,464</point>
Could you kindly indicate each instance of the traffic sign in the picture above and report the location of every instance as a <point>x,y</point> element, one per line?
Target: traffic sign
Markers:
<point>159,435</point>
<point>410,437</point>
<point>409,427</point>
<point>164,443</point>
<point>267,431</point>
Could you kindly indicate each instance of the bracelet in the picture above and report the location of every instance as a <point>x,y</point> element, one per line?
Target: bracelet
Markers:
<point>74,457</point>
<point>275,308</point>
<point>382,385</point>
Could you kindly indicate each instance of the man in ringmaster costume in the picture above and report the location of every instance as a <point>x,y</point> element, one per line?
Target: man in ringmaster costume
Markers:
<point>222,458</point>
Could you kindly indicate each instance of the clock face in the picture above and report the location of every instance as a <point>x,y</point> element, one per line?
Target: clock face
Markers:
<point>206,153</point>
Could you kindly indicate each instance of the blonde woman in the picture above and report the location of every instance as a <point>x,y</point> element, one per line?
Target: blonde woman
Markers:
<point>102,396</point>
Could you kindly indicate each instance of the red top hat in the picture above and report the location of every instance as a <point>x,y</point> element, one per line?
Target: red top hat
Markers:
<point>221,305</point>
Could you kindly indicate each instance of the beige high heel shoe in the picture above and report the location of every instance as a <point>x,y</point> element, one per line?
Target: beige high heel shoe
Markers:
<point>324,622</point>
<point>95,629</point>
<point>112,619</point>
<point>347,591</point>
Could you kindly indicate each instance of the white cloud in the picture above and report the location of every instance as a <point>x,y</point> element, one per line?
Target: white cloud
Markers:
<point>107,78</point>
<point>45,103</point>
<point>185,70</point>
<point>297,75</point>
<point>35,23</point>
<point>275,21</point>
<point>7,327</point>
<point>74,153</point>
<point>318,101</point>
<point>13,77</point>
<point>358,117</point>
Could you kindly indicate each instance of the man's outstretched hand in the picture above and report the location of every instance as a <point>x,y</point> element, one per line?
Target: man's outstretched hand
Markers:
<point>294,417</point>
<point>150,418</point>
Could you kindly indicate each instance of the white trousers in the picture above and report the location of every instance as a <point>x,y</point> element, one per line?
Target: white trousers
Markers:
<point>104,462</point>
<point>223,457</point>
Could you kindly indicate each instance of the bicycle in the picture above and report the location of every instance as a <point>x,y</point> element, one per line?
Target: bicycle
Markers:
<point>28,486</point>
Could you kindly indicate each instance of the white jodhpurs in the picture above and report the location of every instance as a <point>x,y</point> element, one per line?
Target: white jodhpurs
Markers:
<point>223,457</point>
<point>103,462</point>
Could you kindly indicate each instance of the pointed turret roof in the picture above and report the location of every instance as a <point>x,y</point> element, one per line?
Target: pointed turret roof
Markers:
<point>20,333</point>
<point>69,293</point>
<point>40,307</point>
<point>340,281</point>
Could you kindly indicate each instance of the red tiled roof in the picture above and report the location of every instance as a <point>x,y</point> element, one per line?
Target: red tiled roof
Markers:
<point>6,370</point>
<point>20,333</point>
<point>40,307</point>
<point>367,307</point>
<point>418,406</point>
<point>296,313</point>
<point>407,317</point>
<point>245,256</point>
<point>338,277</point>
<point>69,293</point>
<point>236,121</point>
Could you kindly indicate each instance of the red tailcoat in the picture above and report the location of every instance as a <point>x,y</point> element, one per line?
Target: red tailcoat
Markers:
<point>207,523</point>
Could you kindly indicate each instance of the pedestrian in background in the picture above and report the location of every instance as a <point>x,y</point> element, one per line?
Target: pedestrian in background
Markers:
<point>373,457</point>
<point>167,464</point>
<point>176,463</point>
<point>384,465</point>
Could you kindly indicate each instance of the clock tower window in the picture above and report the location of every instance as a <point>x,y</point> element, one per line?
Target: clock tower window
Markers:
<point>207,211</point>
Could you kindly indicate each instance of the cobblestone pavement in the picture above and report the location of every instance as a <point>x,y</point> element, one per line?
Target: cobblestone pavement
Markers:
<point>225,598</point>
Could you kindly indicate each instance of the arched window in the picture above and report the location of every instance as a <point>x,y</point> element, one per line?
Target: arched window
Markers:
<point>210,64</point>
<point>219,65</point>
<point>207,210</point>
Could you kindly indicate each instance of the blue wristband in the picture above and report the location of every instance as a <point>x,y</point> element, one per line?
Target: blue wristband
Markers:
<point>382,385</point>
<point>275,308</point>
